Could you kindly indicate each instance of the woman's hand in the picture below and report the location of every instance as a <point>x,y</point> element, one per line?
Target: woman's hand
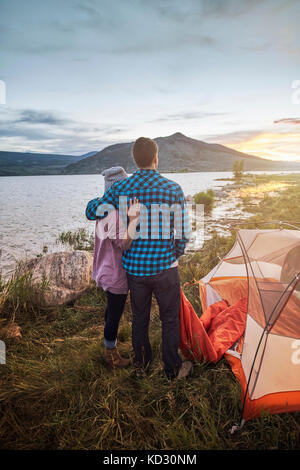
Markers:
<point>133,215</point>
<point>134,209</point>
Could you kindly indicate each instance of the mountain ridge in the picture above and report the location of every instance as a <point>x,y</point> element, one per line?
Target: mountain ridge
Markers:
<point>33,163</point>
<point>177,152</point>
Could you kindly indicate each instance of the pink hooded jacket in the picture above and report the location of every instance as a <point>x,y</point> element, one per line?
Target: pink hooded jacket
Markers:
<point>108,271</point>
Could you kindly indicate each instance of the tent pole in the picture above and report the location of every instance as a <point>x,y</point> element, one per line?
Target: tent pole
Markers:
<point>237,427</point>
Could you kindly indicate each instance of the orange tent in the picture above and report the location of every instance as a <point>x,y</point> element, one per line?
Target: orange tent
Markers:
<point>251,305</point>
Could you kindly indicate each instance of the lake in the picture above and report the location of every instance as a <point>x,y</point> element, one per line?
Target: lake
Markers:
<point>36,209</point>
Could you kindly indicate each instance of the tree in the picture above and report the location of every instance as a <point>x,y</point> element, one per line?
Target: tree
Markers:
<point>238,169</point>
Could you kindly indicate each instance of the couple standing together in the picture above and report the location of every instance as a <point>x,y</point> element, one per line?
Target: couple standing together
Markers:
<point>142,261</point>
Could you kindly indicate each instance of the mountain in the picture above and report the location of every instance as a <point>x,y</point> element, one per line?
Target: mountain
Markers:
<point>89,154</point>
<point>177,152</point>
<point>21,163</point>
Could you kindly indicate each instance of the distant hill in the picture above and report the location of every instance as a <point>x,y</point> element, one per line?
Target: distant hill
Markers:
<point>19,163</point>
<point>89,154</point>
<point>177,152</point>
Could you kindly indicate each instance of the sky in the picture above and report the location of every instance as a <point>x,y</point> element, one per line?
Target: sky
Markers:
<point>83,74</point>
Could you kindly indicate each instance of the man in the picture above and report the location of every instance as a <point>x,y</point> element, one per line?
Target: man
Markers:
<point>151,263</point>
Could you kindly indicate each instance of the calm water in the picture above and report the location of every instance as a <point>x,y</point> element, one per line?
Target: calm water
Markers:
<point>36,209</point>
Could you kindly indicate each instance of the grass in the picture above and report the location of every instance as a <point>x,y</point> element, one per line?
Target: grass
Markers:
<point>56,393</point>
<point>268,206</point>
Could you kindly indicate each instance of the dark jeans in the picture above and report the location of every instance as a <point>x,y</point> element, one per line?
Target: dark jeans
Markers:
<point>113,313</point>
<point>166,288</point>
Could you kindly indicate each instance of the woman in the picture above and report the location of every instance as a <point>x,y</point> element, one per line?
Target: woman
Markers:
<point>111,239</point>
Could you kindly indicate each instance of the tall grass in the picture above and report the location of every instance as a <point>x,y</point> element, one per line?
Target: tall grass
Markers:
<point>81,239</point>
<point>20,297</point>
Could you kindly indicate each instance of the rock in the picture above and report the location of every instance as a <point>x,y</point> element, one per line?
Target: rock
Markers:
<point>65,276</point>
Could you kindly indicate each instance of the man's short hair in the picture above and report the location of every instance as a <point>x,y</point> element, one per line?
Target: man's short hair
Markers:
<point>144,151</point>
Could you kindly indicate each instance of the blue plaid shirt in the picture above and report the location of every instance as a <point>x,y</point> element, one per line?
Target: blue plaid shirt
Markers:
<point>156,247</point>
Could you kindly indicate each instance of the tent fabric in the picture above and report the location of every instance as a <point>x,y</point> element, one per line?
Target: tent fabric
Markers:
<point>272,403</point>
<point>257,285</point>
<point>231,289</point>
<point>209,337</point>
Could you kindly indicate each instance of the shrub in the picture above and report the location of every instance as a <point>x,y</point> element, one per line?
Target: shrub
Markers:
<point>206,198</point>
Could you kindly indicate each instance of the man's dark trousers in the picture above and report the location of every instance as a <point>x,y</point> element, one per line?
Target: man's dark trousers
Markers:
<point>166,288</point>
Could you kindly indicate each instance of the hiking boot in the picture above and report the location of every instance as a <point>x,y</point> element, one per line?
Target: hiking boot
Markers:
<point>185,369</point>
<point>114,359</point>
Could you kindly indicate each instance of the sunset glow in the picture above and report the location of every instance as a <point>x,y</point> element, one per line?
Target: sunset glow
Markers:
<point>271,146</point>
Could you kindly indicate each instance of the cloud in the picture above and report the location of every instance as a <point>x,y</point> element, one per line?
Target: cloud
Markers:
<point>92,14</point>
<point>30,116</point>
<point>8,130</point>
<point>229,8</point>
<point>257,47</point>
<point>48,131</point>
<point>162,43</point>
<point>186,116</point>
<point>195,10</point>
<point>115,27</point>
<point>30,124</point>
<point>288,121</point>
<point>234,137</point>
